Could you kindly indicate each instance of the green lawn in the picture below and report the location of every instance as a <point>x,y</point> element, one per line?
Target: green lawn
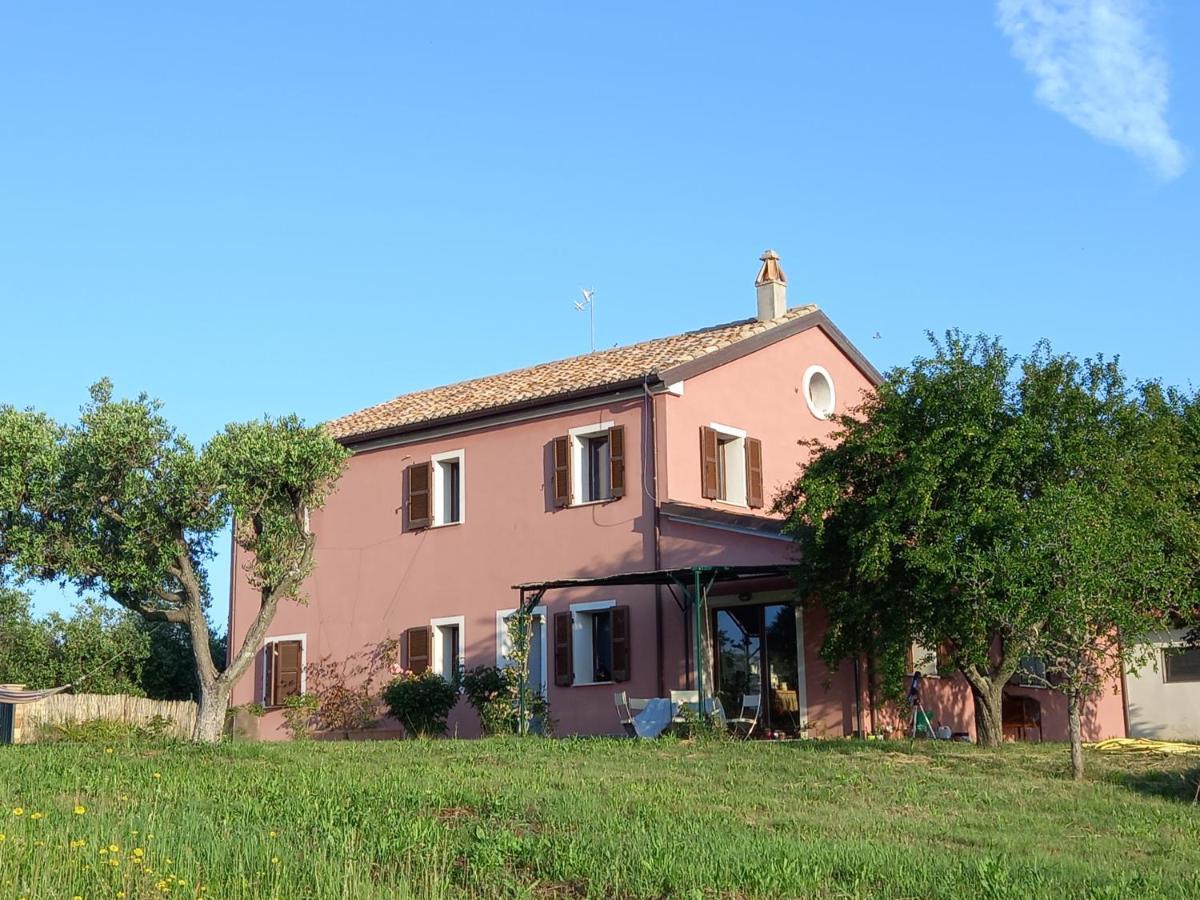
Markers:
<point>592,818</point>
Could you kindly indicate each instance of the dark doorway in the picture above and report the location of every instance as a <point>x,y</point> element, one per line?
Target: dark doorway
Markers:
<point>755,651</point>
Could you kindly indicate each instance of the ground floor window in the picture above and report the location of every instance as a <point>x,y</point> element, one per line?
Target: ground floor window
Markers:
<point>1181,664</point>
<point>446,645</point>
<point>283,669</point>
<point>592,644</point>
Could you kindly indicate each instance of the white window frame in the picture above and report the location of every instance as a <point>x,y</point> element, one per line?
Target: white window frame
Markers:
<point>502,643</point>
<point>581,640</point>
<point>275,639</point>
<point>807,391</point>
<point>436,655</point>
<point>579,437</point>
<point>437,487</point>
<point>735,468</point>
<point>925,660</point>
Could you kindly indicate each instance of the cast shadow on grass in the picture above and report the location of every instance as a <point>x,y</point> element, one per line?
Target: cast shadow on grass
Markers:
<point>1178,785</point>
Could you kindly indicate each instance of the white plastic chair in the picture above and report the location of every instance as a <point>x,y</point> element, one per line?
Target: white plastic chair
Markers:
<point>747,720</point>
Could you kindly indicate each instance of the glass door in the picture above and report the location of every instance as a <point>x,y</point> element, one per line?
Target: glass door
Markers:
<point>782,683</point>
<point>755,652</point>
<point>737,637</point>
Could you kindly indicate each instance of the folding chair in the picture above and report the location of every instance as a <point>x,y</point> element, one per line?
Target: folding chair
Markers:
<point>626,709</point>
<point>747,720</point>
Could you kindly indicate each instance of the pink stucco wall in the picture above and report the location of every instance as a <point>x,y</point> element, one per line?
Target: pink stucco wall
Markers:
<point>374,580</point>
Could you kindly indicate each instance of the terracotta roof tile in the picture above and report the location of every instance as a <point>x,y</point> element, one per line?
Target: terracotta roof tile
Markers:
<point>550,380</point>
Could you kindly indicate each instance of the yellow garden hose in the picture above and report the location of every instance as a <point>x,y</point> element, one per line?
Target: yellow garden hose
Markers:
<point>1145,745</point>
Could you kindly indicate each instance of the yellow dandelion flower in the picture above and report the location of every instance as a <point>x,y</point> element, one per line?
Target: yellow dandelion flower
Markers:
<point>120,893</point>
<point>167,861</point>
<point>18,810</point>
<point>103,850</point>
<point>139,852</point>
<point>37,815</point>
<point>114,862</point>
<point>274,834</point>
<point>2,838</point>
<point>274,860</point>
<point>113,848</point>
<point>158,774</point>
<point>80,810</point>
<point>77,897</point>
<point>108,749</point>
<point>124,798</point>
<point>182,882</point>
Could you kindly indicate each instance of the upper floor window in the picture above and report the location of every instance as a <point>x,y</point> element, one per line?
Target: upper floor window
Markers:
<point>448,500</point>
<point>589,464</point>
<point>437,490</point>
<point>818,392</point>
<point>730,466</point>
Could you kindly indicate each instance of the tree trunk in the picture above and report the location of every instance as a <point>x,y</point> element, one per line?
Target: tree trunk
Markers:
<point>989,716</point>
<point>210,712</point>
<point>1075,731</point>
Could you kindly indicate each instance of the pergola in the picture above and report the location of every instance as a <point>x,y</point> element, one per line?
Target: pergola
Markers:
<point>695,582</point>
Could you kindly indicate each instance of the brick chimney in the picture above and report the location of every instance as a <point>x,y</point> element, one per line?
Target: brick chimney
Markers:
<point>772,288</point>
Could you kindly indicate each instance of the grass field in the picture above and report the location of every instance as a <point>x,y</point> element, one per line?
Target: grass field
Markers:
<point>591,818</point>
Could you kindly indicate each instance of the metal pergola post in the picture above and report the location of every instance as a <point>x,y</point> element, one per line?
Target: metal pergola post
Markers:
<point>698,638</point>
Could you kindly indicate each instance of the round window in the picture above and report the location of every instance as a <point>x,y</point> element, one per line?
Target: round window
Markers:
<point>818,392</point>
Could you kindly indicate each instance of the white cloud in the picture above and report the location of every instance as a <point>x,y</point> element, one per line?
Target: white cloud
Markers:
<point>1095,64</point>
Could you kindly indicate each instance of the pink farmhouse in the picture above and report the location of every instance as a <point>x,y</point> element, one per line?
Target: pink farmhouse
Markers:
<point>661,455</point>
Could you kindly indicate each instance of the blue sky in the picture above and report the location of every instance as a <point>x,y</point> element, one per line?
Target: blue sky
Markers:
<point>266,208</point>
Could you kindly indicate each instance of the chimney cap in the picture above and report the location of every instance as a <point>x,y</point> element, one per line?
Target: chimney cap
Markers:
<point>771,269</point>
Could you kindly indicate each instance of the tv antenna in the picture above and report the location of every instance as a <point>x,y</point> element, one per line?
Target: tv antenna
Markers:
<point>590,305</point>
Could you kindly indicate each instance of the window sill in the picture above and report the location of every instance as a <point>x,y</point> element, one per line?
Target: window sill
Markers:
<point>732,503</point>
<point>591,683</point>
<point>446,524</point>
<point>592,502</point>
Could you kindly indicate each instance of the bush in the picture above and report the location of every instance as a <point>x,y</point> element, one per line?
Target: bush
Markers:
<point>421,702</point>
<point>105,731</point>
<point>298,712</point>
<point>493,693</point>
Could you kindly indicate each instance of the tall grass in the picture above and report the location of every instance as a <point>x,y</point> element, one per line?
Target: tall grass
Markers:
<point>503,817</point>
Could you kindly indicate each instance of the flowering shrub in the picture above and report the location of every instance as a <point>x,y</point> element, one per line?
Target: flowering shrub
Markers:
<point>493,692</point>
<point>421,702</point>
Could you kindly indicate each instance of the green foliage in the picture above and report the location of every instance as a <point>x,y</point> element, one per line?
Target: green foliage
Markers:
<point>121,504</point>
<point>421,702</point>
<point>105,732</point>
<point>98,649</point>
<point>504,817</point>
<point>169,672</point>
<point>298,711</point>
<point>494,693</point>
<point>997,507</point>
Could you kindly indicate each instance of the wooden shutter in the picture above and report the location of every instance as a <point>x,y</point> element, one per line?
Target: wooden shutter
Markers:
<point>285,675</point>
<point>616,453</point>
<point>418,649</point>
<point>420,507</point>
<point>708,463</point>
<point>621,654</point>
<point>562,471</point>
<point>754,478</point>
<point>564,667</point>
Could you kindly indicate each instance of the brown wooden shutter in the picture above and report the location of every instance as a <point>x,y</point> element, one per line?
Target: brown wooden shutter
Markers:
<point>418,649</point>
<point>285,678</point>
<point>562,471</point>
<point>708,463</point>
<point>621,654</point>
<point>269,674</point>
<point>564,668</point>
<point>420,508</point>
<point>754,476</point>
<point>616,453</point>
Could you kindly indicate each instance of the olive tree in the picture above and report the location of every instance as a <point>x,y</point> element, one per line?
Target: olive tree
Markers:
<point>121,504</point>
